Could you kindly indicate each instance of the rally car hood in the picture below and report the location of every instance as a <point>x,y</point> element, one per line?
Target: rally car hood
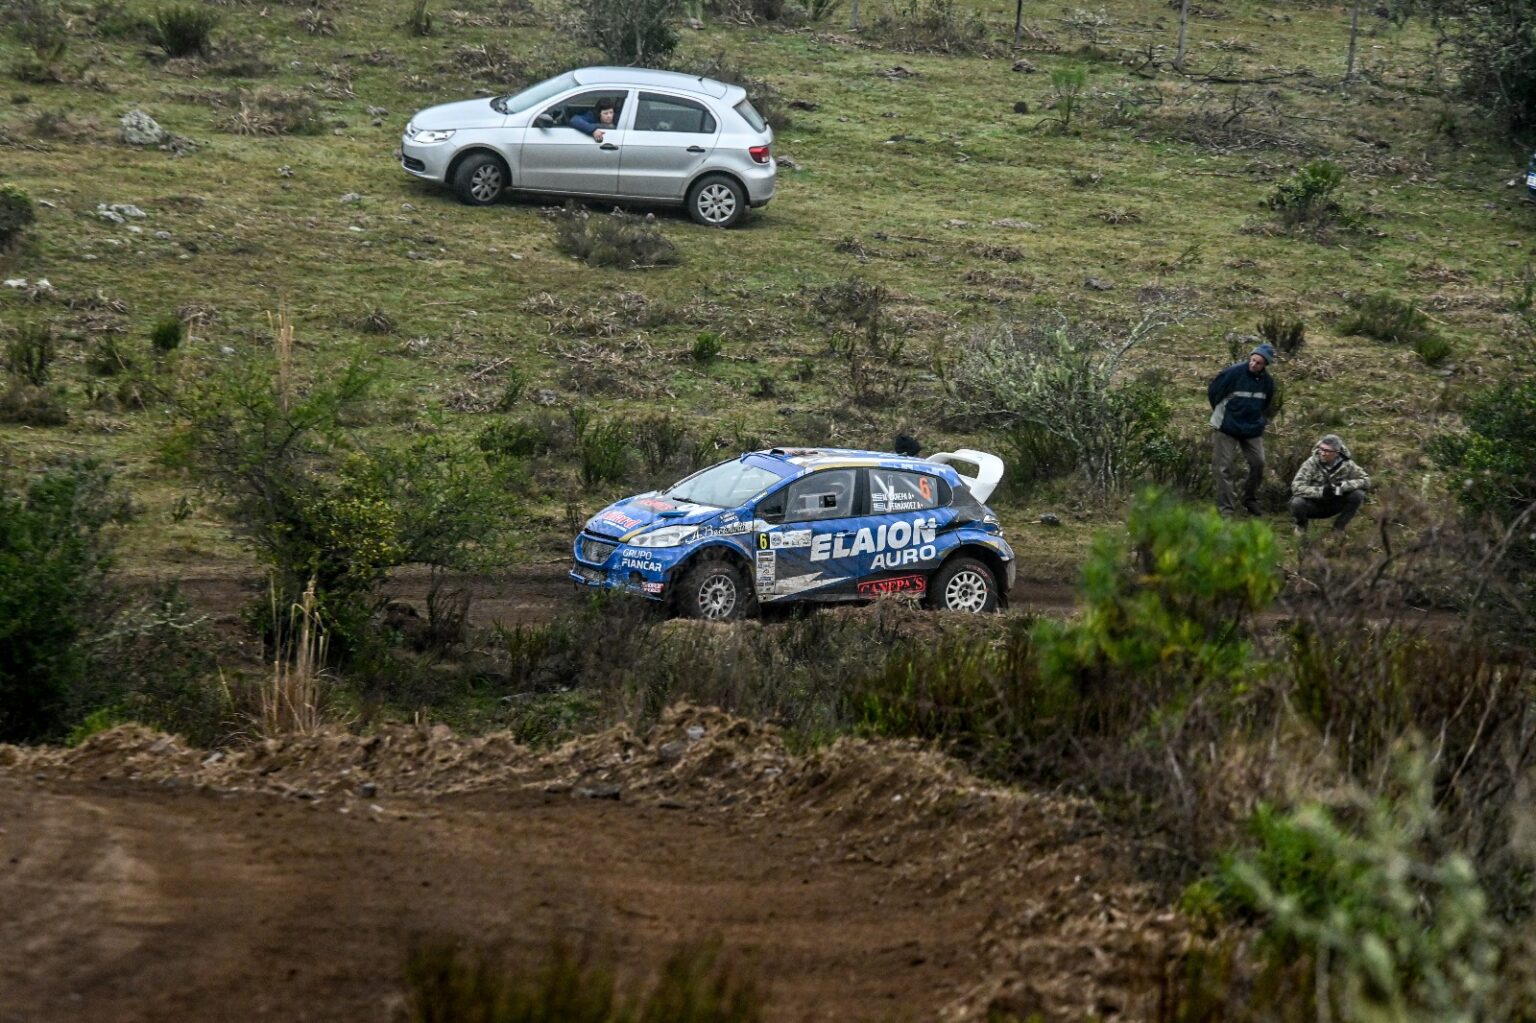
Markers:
<point>643,511</point>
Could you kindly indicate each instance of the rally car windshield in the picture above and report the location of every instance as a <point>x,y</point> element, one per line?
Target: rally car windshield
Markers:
<point>727,485</point>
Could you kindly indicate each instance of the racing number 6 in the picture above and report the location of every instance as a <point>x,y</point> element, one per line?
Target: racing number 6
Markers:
<point>925,487</point>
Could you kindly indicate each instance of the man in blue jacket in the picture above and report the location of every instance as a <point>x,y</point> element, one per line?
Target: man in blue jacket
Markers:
<point>1240,396</point>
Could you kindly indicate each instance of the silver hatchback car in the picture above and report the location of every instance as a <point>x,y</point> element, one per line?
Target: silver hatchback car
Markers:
<point>675,140</point>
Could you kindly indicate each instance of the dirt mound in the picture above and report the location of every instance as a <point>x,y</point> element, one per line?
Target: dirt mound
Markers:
<point>1071,932</point>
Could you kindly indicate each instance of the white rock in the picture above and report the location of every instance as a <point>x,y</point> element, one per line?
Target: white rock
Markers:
<point>139,129</point>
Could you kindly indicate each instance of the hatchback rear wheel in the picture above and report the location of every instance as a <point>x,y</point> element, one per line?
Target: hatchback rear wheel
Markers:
<point>716,201</point>
<point>963,584</point>
<point>480,179</point>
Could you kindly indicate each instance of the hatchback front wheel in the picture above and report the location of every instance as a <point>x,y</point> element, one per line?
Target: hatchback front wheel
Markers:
<point>480,179</point>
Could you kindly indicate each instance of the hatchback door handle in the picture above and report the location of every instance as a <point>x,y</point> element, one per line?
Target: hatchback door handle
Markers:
<point>695,149</point>
<point>608,145</point>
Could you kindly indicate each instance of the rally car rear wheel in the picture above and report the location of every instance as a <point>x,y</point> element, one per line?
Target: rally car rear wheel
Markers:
<point>963,584</point>
<point>714,590</point>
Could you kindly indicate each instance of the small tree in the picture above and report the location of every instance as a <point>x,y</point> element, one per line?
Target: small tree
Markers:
<point>53,559</point>
<point>1496,41</point>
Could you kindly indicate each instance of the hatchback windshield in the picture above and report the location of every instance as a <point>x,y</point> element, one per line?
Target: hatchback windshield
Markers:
<point>726,485</point>
<point>535,94</point>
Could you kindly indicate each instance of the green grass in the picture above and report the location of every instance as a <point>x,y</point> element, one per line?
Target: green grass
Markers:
<point>462,285</point>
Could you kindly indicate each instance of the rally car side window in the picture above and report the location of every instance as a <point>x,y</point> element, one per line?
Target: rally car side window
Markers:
<point>893,490</point>
<point>828,494</point>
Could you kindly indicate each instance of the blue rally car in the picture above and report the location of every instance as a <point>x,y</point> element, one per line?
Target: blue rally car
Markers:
<point>820,524</point>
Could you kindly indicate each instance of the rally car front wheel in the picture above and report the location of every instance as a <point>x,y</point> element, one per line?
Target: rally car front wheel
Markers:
<point>963,584</point>
<point>714,590</point>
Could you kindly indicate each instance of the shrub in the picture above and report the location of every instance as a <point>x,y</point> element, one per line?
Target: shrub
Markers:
<point>29,354</point>
<point>1063,383</point>
<point>1168,603</point>
<point>1386,317</point>
<point>1363,916</point>
<point>23,403</point>
<point>16,214</point>
<point>54,554</point>
<point>314,502</point>
<point>1287,335</point>
<point>1492,465</point>
<point>706,347</point>
<point>873,368</point>
<point>660,438</point>
<point>1498,55</point>
<point>167,333</point>
<point>931,26</point>
<point>634,32</point>
<point>1432,350</point>
<point>40,25</point>
<point>185,31</point>
<point>616,239</point>
<point>269,111</point>
<point>603,451</point>
<point>1067,85</point>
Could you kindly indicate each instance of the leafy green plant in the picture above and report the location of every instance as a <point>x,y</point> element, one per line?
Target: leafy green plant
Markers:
<point>615,239</point>
<point>1168,602</point>
<point>167,333</point>
<point>29,353</point>
<point>603,452</point>
<point>185,30</point>
<point>16,214</point>
<point>707,346</point>
<point>660,438</point>
<point>1307,201</point>
<point>1385,926</point>
<point>1433,350</point>
<point>1492,465</point>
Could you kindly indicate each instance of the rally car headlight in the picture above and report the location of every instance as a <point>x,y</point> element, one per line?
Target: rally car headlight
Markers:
<point>428,137</point>
<point>666,536</point>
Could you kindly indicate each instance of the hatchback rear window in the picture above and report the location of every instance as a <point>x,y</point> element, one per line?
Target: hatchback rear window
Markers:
<point>749,114</point>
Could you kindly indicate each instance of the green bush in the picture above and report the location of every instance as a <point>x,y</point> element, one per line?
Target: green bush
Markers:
<point>931,26</point>
<point>1168,603</point>
<point>616,239</point>
<point>1307,200</point>
<point>185,31</point>
<point>660,438</point>
<point>21,402</point>
<point>1492,465</point>
<point>637,32</point>
<point>16,214</point>
<point>1432,350</point>
<point>54,554</point>
<point>40,25</point>
<point>1497,50</point>
<point>707,346</point>
<point>603,451</point>
<point>1286,334</point>
<point>29,353</point>
<point>167,333</point>
<point>1385,317</point>
<point>1383,924</point>
<point>314,502</point>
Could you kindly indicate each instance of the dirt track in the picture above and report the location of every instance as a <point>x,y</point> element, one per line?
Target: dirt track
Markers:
<point>526,594</point>
<point>144,881</point>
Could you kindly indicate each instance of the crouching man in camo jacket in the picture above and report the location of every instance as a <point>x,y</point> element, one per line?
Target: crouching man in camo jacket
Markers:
<point>1328,484</point>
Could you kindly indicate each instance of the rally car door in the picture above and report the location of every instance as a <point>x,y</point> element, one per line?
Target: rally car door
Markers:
<point>795,552</point>
<point>906,508</point>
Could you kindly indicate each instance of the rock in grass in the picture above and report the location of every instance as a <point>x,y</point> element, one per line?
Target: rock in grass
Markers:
<point>139,129</point>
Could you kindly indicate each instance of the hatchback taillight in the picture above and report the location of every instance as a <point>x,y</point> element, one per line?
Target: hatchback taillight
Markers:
<point>759,154</point>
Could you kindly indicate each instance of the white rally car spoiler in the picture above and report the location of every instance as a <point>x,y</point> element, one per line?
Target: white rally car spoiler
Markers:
<point>989,470</point>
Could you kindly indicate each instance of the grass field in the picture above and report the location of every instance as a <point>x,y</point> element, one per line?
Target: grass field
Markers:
<point>903,166</point>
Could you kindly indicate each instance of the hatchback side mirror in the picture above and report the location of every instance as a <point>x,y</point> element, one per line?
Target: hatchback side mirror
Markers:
<point>544,121</point>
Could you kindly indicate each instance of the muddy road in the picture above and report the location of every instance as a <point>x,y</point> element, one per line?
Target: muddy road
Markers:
<point>143,881</point>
